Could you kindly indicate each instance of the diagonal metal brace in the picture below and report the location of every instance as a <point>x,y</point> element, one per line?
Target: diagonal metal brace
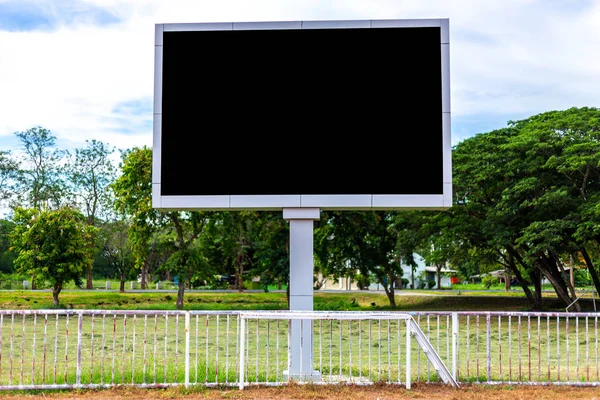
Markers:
<point>431,354</point>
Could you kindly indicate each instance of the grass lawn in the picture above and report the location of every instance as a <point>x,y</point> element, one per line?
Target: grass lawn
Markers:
<point>124,349</point>
<point>334,301</point>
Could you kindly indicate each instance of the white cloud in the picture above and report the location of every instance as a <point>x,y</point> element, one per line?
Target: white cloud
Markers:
<point>507,57</point>
<point>68,79</point>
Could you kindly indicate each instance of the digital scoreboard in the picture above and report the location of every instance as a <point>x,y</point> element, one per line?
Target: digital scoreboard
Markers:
<point>335,115</point>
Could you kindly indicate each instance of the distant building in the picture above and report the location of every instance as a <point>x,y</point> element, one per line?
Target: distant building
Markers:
<point>422,274</point>
<point>427,273</point>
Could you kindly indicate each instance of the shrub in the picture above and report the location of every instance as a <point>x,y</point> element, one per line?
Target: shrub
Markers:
<point>488,281</point>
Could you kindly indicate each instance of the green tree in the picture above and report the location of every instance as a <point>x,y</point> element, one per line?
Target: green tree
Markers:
<point>187,258</point>
<point>133,191</point>
<point>483,224</point>
<point>40,181</point>
<point>133,199</point>
<point>238,230</point>
<point>409,237</point>
<point>6,256</point>
<point>529,190</point>
<point>9,168</point>
<point>91,172</point>
<point>272,250</point>
<point>53,245</point>
<point>117,250</point>
<point>230,241</point>
<point>365,241</point>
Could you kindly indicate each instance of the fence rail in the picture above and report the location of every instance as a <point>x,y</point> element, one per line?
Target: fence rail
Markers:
<point>531,348</point>
<point>100,348</point>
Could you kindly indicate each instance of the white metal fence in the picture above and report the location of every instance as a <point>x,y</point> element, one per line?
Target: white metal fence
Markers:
<point>532,348</point>
<point>84,348</point>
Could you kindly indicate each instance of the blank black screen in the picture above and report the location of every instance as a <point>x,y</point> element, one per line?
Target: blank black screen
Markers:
<point>325,111</point>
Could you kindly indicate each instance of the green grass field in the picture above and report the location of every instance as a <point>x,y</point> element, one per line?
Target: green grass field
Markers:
<point>231,300</point>
<point>149,348</point>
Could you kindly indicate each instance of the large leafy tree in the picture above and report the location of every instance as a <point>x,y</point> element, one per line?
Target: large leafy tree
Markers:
<point>561,151</point>
<point>528,193</point>
<point>116,249</point>
<point>41,181</point>
<point>6,256</point>
<point>409,238</point>
<point>91,173</point>
<point>237,232</point>
<point>272,251</point>
<point>484,226</point>
<point>186,259</point>
<point>133,191</point>
<point>366,241</point>
<point>9,168</point>
<point>133,199</point>
<point>53,245</point>
<point>229,242</point>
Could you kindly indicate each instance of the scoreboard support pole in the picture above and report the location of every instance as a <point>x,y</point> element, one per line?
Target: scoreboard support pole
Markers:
<point>300,354</point>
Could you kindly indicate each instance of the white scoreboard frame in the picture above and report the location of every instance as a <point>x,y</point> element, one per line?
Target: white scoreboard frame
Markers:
<point>324,202</point>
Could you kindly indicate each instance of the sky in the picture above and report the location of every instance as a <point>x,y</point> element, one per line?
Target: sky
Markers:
<point>84,69</point>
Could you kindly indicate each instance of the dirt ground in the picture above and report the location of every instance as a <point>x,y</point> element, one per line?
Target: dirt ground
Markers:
<point>329,392</point>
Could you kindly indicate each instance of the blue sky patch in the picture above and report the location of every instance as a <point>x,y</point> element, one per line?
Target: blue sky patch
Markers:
<point>142,106</point>
<point>10,143</point>
<point>19,16</point>
<point>133,116</point>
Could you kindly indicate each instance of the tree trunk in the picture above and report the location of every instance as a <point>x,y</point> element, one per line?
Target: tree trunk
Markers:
<point>55,292</point>
<point>572,270</point>
<point>122,283</point>
<point>507,274</point>
<point>563,273</point>
<point>180,292</point>
<point>412,277</point>
<point>439,277</point>
<point>89,284</point>
<point>389,290</point>
<point>536,280</point>
<point>287,295</point>
<point>239,270</point>
<point>391,297</point>
<point>534,300</point>
<point>33,285</point>
<point>549,267</point>
<point>561,292</point>
<point>143,283</point>
<point>592,269</point>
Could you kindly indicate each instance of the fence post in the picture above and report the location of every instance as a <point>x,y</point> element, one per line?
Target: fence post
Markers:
<point>454,345</point>
<point>187,348</point>
<point>489,346</point>
<point>79,338</point>
<point>408,352</point>
<point>242,351</point>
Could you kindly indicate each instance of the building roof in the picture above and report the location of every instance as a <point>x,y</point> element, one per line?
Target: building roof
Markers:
<point>443,270</point>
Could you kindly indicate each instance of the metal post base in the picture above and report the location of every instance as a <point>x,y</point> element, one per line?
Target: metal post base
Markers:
<point>315,376</point>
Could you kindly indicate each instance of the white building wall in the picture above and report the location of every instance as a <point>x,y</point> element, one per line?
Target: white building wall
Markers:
<point>348,284</point>
<point>419,274</point>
